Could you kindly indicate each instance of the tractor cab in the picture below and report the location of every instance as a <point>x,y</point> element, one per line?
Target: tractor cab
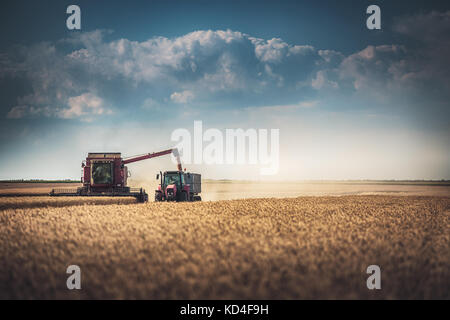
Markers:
<point>173,178</point>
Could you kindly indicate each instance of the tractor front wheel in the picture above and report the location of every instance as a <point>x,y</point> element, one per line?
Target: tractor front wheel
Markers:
<point>158,196</point>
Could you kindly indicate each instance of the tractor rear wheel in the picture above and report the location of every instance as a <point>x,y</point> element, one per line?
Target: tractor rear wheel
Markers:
<point>184,196</point>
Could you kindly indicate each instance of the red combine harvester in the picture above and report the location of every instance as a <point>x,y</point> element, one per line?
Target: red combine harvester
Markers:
<point>105,174</point>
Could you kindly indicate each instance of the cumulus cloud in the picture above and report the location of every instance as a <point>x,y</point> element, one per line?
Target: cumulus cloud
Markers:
<point>321,81</point>
<point>182,97</point>
<point>200,63</point>
<point>275,50</point>
<point>18,112</point>
<point>207,65</point>
<point>373,66</point>
<point>157,58</point>
<point>430,31</point>
<point>84,105</point>
<point>331,57</point>
<point>417,69</point>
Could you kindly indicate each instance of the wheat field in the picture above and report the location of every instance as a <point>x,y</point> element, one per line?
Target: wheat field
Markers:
<point>294,248</point>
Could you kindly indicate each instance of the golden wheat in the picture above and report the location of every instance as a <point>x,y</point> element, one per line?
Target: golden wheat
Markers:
<point>307,247</point>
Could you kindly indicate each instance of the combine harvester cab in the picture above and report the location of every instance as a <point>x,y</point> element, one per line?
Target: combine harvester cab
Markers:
<point>178,186</point>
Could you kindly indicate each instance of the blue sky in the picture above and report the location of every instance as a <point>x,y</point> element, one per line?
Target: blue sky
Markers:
<point>350,103</point>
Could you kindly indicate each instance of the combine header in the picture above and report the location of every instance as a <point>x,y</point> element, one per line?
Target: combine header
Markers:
<point>105,175</point>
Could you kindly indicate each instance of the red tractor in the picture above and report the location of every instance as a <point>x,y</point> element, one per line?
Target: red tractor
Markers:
<point>178,186</point>
<point>105,174</point>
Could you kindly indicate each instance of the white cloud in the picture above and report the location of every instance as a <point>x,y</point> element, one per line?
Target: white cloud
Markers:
<point>375,67</point>
<point>18,112</point>
<point>271,50</point>
<point>275,50</point>
<point>203,63</point>
<point>331,56</point>
<point>84,106</point>
<point>227,76</point>
<point>156,58</point>
<point>208,64</point>
<point>294,50</point>
<point>212,60</point>
<point>321,81</point>
<point>182,97</point>
<point>401,70</point>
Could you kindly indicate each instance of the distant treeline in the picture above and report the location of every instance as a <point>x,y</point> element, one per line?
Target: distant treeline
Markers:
<point>39,181</point>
